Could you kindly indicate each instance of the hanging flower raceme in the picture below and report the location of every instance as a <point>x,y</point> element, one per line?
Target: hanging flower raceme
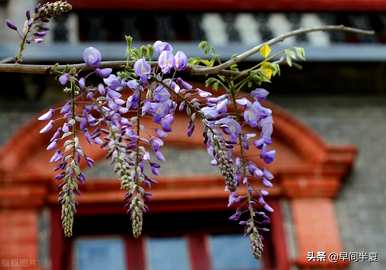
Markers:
<point>35,28</point>
<point>108,111</point>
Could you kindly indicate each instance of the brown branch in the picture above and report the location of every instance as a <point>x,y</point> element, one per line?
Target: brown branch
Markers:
<point>192,69</point>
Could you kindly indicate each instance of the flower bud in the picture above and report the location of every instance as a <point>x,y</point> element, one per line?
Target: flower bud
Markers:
<point>92,57</point>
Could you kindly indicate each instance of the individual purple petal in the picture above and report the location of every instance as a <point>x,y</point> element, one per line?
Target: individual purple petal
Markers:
<point>259,93</point>
<point>251,117</point>
<point>82,83</point>
<point>90,162</point>
<point>142,69</point>
<point>266,183</point>
<point>209,112</point>
<point>132,84</point>
<point>160,46</point>
<point>233,198</point>
<point>156,144</point>
<point>264,192</point>
<point>104,72</point>
<point>161,94</point>
<point>52,145</point>
<point>47,116</point>
<point>222,106</point>
<point>101,89</point>
<point>40,34</point>
<point>268,156</point>
<point>230,126</point>
<point>190,128</point>
<point>160,133</point>
<point>259,143</point>
<point>243,102</point>
<point>38,40</point>
<point>268,208</point>
<point>56,134</point>
<point>254,170</point>
<point>166,61</point>
<point>166,122</point>
<point>56,157</point>
<point>63,79</point>
<point>266,127</point>
<point>113,82</point>
<point>92,57</point>
<point>203,93</point>
<point>159,110</point>
<point>10,24</point>
<point>159,156</point>
<point>47,127</point>
<point>267,174</point>
<point>184,84</point>
<point>180,61</point>
<point>235,216</point>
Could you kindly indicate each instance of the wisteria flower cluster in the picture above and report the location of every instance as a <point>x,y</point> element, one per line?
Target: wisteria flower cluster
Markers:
<point>110,112</point>
<point>35,27</point>
<point>108,101</point>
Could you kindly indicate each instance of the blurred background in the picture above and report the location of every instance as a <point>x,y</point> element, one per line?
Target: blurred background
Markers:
<point>331,175</point>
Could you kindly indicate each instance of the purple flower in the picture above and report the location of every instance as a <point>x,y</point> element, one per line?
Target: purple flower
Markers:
<point>166,122</point>
<point>203,93</point>
<point>243,102</point>
<point>234,199</point>
<point>222,106</point>
<point>52,145</point>
<point>267,156</point>
<point>161,94</point>
<point>142,69</point>
<point>180,61</point>
<point>264,192</point>
<point>236,215</point>
<point>40,34</point>
<point>183,84</point>
<point>56,157</point>
<point>101,89</point>
<point>132,84</point>
<point>63,79</point>
<point>160,46</point>
<point>47,116</point>
<point>90,162</point>
<point>10,24</point>
<point>267,174</point>
<point>209,112</point>
<point>159,156</point>
<point>47,127</point>
<point>253,114</point>
<point>230,127</point>
<point>267,183</point>
<point>166,61</point>
<point>259,93</point>
<point>82,83</point>
<point>156,144</point>
<point>104,72</point>
<point>159,110</point>
<point>254,170</point>
<point>113,82</point>
<point>266,129</point>
<point>92,57</point>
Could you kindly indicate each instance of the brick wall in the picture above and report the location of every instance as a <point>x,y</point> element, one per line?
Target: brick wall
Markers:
<point>360,207</point>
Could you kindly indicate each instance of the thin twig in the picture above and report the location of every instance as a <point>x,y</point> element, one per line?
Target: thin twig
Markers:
<point>192,69</point>
<point>245,55</point>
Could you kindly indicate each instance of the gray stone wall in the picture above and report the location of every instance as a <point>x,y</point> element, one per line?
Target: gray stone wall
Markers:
<point>360,207</point>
